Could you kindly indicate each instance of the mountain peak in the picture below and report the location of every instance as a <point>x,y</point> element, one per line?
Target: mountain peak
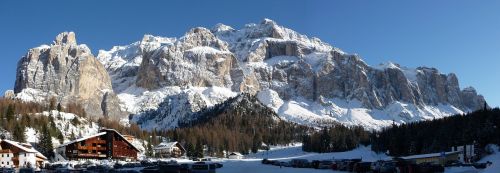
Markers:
<point>221,28</point>
<point>65,38</point>
<point>267,21</point>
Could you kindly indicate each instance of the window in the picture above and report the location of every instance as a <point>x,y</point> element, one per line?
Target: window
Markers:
<point>25,155</point>
<point>7,163</point>
<point>2,155</point>
<point>82,143</point>
<point>94,144</point>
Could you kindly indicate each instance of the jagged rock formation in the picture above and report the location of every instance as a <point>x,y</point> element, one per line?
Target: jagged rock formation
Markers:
<point>68,72</point>
<point>302,79</point>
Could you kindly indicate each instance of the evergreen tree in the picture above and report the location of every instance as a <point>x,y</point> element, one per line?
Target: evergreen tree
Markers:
<point>60,137</point>
<point>9,114</point>
<point>199,150</point>
<point>18,133</point>
<point>59,107</point>
<point>45,144</point>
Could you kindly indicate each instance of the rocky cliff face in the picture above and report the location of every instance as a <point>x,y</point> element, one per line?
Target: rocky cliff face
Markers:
<point>165,80</point>
<point>303,79</point>
<point>68,72</point>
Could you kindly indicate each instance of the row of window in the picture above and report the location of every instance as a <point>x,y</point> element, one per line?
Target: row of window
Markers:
<point>7,155</point>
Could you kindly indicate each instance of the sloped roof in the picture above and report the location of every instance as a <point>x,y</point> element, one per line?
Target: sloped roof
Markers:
<point>25,149</point>
<point>428,155</point>
<point>103,132</point>
<point>166,145</point>
<point>121,136</point>
<point>80,139</point>
<point>235,154</point>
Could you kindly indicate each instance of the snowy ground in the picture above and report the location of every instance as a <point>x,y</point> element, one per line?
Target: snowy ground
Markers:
<point>252,162</point>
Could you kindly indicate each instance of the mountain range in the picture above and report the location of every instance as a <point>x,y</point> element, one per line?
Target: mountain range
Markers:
<point>160,81</point>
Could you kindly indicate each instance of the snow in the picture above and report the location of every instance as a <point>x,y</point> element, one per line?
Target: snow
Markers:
<point>31,135</point>
<point>494,158</point>
<point>252,162</point>
<point>352,112</point>
<point>270,98</point>
<point>31,95</point>
<point>410,73</point>
<point>200,50</point>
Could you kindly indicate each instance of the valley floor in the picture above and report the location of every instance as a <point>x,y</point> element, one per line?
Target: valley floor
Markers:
<point>252,163</point>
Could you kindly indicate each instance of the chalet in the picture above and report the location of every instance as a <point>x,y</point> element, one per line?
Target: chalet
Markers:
<point>19,155</point>
<point>438,158</point>
<point>107,144</point>
<point>169,149</point>
<point>235,155</point>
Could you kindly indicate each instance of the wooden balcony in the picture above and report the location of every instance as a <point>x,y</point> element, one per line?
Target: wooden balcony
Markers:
<point>6,151</point>
<point>91,148</point>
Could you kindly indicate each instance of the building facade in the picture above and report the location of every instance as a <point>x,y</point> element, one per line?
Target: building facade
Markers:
<point>169,150</point>
<point>437,158</point>
<point>107,144</point>
<point>20,155</point>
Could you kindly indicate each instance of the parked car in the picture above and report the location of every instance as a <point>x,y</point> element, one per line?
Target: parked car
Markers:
<point>200,168</point>
<point>275,163</point>
<point>300,163</point>
<point>480,165</point>
<point>266,161</point>
<point>26,170</point>
<point>388,167</point>
<point>7,170</point>
<point>430,167</point>
<point>315,164</point>
<point>362,167</point>
<point>375,166</point>
<point>218,165</point>
<point>286,164</point>
<point>325,164</point>
<point>350,165</point>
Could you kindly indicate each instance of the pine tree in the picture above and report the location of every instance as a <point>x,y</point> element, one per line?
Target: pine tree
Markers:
<point>60,137</point>
<point>9,114</point>
<point>18,133</point>
<point>52,103</point>
<point>59,107</point>
<point>45,144</point>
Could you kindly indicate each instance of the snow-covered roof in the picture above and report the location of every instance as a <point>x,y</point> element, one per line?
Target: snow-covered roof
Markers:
<point>128,142</point>
<point>428,155</point>
<point>25,149</point>
<point>167,145</point>
<point>81,139</point>
<point>103,132</point>
<point>235,154</point>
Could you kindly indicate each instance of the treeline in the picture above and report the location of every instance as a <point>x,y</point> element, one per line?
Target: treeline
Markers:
<point>17,115</point>
<point>335,138</point>
<point>240,124</point>
<point>481,127</point>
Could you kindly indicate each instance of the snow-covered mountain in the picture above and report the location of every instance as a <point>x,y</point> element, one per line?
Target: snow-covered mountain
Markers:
<point>302,79</point>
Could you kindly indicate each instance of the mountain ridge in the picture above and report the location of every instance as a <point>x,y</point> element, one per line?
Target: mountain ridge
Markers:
<point>304,80</point>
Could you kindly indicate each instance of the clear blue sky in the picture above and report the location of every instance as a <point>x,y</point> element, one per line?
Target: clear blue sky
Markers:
<point>456,36</point>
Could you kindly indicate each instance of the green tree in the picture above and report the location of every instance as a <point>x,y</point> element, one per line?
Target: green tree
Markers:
<point>18,133</point>
<point>45,144</point>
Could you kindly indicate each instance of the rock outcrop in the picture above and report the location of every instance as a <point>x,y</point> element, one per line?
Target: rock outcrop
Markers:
<point>303,79</point>
<point>70,73</point>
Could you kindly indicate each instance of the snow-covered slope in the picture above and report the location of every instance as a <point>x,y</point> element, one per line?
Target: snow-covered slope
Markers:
<point>303,79</point>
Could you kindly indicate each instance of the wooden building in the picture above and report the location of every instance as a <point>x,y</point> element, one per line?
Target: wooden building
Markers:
<point>169,149</point>
<point>438,158</point>
<point>107,144</point>
<point>20,155</point>
<point>235,155</point>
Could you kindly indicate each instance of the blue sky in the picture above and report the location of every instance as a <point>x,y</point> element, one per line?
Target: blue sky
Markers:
<point>456,36</point>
